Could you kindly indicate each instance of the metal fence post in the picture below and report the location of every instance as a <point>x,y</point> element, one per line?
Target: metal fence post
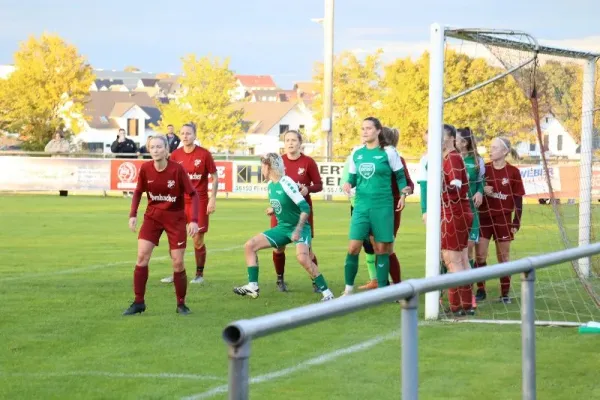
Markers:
<point>528,334</point>
<point>239,376</point>
<point>410,343</point>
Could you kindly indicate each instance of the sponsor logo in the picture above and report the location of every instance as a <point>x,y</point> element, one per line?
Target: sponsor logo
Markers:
<point>127,172</point>
<point>366,170</point>
<point>197,162</point>
<point>180,243</point>
<point>505,181</point>
<point>162,197</point>
<point>498,195</point>
<point>195,177</point>
<point>301,171</point>
<point>170,184</point>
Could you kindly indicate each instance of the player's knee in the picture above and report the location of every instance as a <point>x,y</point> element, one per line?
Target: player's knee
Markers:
<point>250,246</point>
<point>178,265</point>
<point>353,248</point>
<point>143,258</point>
<point>198,240</point>
<point>381,248</point>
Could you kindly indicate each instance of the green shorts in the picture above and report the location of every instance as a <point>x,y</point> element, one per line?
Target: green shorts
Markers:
<point>376,221</point>
<point>281,236</point>
<point>474,233</point>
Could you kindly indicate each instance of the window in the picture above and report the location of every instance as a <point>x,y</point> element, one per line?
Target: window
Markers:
<point>283,129</point>
<point>532,147</point>
<point>132,127</point>
<point>104,120</point>
<point>95,147</point>
<point>559,142</point>
<point>301,129</point>
<point>546,143</point>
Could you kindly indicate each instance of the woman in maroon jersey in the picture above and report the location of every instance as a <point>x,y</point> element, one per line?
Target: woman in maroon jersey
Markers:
<point>165,183</point>
<point>504,193</point>
<point>456,221</point>
<point>303,170</point>
<point>199,164</point>
<point>392,136</point>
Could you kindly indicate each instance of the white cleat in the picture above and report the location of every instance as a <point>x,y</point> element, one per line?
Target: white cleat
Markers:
<point>328,297</point>
<point>198,280</point>
<point>168,279</point>
<point>247,290</point>
<point>347,293</point>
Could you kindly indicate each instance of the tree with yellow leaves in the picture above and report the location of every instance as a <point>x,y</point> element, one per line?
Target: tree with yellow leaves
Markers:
<point>46,91</point>
<point>206,85</point>
<point>356,95</point>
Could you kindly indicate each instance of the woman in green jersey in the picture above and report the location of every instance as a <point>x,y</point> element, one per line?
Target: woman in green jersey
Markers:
<point>370,171</point>
<point>292,211</point>
<point>465,143</point>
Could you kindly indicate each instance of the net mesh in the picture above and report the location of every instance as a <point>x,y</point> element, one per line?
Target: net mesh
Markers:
<point>500,84</point>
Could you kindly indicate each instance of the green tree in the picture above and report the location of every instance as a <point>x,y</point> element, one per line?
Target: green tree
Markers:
<point>206,85</point>
<point>356,95</point>
<point>46,91</point>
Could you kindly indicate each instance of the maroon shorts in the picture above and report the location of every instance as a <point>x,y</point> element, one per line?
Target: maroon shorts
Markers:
<point>310,222</point>
<point>202,215</point>
<point>456,226</point>
<point>158,221</point>
<point>498,227</point>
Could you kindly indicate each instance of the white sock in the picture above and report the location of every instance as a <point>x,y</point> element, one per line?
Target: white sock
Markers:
<point>253,285</point>
<point>327,293</point>
<point>349,289</point>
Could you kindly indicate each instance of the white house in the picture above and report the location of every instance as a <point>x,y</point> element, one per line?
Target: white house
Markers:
<point>248,83</point>
<point>110,111</point>
<point>557,141</point>
<point>266,122</point>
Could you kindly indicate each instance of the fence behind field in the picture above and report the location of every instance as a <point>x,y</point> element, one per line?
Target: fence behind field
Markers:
<point>239,176</point>
<point>239,334</point>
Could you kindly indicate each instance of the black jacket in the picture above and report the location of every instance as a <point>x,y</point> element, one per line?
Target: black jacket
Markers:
<point>173,142</point>
<point>127,146</point>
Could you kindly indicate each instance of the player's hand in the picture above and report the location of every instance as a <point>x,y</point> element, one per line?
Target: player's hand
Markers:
<point>407,190</point>
<point>295,235</point>
<point>477,199</point>
<point>488,190</point>
<point>303,190</point>
<point>192,229</point>
<point>133,224</point>
<point>401,203</point>
<point>347,188</point>
<point>211,206</point>
<point>269,211</point>
<point>424,218</point>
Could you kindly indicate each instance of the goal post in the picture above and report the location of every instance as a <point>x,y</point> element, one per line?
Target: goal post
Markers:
<point>518,54</point>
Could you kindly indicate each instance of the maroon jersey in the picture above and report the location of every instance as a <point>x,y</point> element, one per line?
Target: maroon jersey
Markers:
<point>506,183</point>
<point>454,170</point>
<point>199,164</point>
<point>165,189</point>
<point>409,182</point>
<point>304,171</point>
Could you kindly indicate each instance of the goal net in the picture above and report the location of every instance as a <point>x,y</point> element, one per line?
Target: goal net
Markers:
<point>542,99</point>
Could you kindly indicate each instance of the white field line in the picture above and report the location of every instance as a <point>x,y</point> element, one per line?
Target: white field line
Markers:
<point>112,375</point>
<point>322,359</point>
<point>101,266</point>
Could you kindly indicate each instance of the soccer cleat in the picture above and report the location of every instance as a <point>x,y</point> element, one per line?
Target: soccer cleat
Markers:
<point>168,279</point>
<point>480,295</point>
<point>247,290</point>
<point>281,286</point>
<point>505,300</point>
<point>347,292</point>
<point>328,297</point>
<point>372,284</point>
<point>135,308</point>
<point>198,279</point>
<point>183,309</point>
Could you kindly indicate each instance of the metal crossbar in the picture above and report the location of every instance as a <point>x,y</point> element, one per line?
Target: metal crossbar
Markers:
<point>239,334</point>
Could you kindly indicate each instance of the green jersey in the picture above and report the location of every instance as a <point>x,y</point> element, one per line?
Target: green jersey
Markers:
<point>287,202</point>
<point>371,171</point>
<point>475,176</point>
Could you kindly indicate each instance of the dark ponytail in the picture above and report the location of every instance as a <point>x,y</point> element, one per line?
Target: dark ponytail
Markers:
<point>381,137</point>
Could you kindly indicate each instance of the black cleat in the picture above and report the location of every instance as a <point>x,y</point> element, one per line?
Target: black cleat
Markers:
<point>183,309</point>
<point>135,308</point>
<point>480,295</point>
<point>316,289</point>
<point>281,286</point>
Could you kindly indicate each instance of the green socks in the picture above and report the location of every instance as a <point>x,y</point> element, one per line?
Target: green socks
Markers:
<point>321,283</point>
<point>351,268</point>
<point>383,269</point>
<point>371,266</point>
<point>253,274</point>
<point>472,263</point>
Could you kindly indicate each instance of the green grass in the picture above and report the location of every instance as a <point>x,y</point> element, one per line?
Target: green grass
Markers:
<point>65,278</point>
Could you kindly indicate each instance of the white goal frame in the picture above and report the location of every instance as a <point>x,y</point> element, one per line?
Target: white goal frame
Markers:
<point>438,35</point>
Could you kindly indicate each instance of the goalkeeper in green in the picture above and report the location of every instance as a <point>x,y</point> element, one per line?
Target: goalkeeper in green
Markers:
<point>370,171</point>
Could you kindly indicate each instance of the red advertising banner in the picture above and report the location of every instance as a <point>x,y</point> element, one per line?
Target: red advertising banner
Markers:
<point>124,174</point>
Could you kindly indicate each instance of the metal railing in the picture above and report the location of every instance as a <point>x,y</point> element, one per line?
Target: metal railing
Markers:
<point>239,334</point>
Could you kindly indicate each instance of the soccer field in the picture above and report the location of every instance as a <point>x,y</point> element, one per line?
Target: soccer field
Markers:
<point>66,266</point>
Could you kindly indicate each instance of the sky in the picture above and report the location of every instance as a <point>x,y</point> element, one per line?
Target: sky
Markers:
<point>276,37</point>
